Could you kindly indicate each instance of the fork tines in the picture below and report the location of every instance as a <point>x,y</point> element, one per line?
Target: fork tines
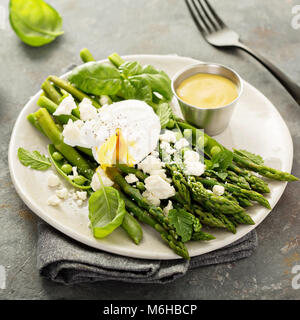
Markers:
<point>205,16</point>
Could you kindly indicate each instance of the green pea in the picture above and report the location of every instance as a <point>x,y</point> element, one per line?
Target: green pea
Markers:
<point>57,156</point>
<point>80,180</point>
<point>171,124</point>
<point>188,133</point>
<point>202,141</point>
<point>66,168</point>
<point>215,150</point>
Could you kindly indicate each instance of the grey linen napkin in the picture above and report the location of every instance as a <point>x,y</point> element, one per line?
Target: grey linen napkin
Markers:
<point>64,260</point>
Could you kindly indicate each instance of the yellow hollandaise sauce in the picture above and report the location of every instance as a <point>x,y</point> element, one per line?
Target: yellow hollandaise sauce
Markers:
<point>206,90</point>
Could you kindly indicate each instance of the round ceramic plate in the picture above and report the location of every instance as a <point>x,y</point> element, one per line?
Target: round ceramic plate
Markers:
<point>256,126</point>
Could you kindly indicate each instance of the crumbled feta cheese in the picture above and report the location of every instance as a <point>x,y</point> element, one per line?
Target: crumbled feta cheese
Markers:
<point>71,133</point>
<point>218,190</point>
<point>159,187</point>
<point>66,106</point>
<point>82,195</point>
<point>150,163</point>
<point>191,156</point>
<point>168,207</point>
<point>151,198</point>
<point>62,193</point>
<point>87,110</point>
<point>167,147</point>
<point>53,200</point>
<point>53,180</point>
<point>161,173</point>
<point>79,202</point>
<point>96,184</point>
<point>104,100</point>
<point>208,191</point>
<point>181,143</point>
<point>131,178</point>
<point>75,173</point>
<point>194,168</point>
<point>168,136</point>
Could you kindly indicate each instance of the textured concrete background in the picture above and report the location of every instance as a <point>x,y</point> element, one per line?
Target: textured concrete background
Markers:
<point>161,27</point>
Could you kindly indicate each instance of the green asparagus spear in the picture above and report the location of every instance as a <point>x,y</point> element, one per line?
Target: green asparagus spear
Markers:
<point>126,169</point>
<point>237,191</point>
<point>242,161</point>
<point>210,201</point>
<point>208,218</point>
<point>229,225</point>
<point>79,95</point>
<point>52,132</point>
<point>203,236</point>
<point>116,60</point>
<point>143,216</point>
<point>86,55</point>
<point>51,92</point>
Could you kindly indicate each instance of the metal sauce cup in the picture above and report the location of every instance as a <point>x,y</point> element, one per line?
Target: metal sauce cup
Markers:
<point>212,120</point>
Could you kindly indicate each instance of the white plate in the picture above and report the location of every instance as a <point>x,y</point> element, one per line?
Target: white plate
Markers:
<point>256,126</point>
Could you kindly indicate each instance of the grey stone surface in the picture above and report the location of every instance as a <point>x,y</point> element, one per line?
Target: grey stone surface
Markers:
<point>162,27</point>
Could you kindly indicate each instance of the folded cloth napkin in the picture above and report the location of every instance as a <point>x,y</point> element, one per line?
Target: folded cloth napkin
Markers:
<point>64,260</point>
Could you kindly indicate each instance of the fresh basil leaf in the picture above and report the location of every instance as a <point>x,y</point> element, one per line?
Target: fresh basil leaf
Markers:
<point>34,159</point>
<point>221,160</point>
<point>251,156</point>
<point>97,78</point>
<point>183,222</point>
<point>164,113</point>
<point>106,211</point>
<point>130,68</point>
<point>35,22</point>
<point>136,89</point>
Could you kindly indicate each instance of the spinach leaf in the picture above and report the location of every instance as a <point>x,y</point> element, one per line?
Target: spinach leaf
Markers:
<point>136,89</point>
<point>130,68</point>
<point>106,211</point>
<point>97,78</point>
<point>164,113</point>
<point>183,222</point>
<point>251,156</point>
<point>35,22</point>
<point>33,159</point>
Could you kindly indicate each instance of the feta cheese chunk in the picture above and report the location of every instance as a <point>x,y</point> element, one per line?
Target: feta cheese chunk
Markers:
<point>168,207</point>
<point>194,168</point>
<point>96,184</point>
<point>75,173</point>
<point>191,156</point>
<point>151,198</point>
<point>71,133</point>
<point>87,110</point>
<point>165,146</point>
<point>81,195</point>
<point>53,180</point>
<point>53,200</point>
<point>150,163</point>
<point>62,193</point>
<point>181,143</point>
<point>168,136</point>
<point>79,202</point>
<point>218,190</point>
<point>159,187</point>
<point>66,106</point>
<point>131,178</point>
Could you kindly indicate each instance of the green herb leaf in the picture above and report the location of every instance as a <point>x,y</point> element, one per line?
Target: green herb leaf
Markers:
<point>183,222</point>
<point>164,113</point>
<point>35,22</point>
<point>130,68</point>
<point>106,211</point>
<point>220,161</point>
<point>251,156</point>
<point>33,159</point>
<point>97,78</point>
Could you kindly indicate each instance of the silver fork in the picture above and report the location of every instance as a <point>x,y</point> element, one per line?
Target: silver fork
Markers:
<point>215,32</point>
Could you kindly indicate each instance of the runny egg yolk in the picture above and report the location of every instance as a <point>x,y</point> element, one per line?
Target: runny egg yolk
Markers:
<point>115,150</point>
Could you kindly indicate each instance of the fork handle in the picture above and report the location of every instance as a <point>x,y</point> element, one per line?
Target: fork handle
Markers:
<point>288,83</point>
